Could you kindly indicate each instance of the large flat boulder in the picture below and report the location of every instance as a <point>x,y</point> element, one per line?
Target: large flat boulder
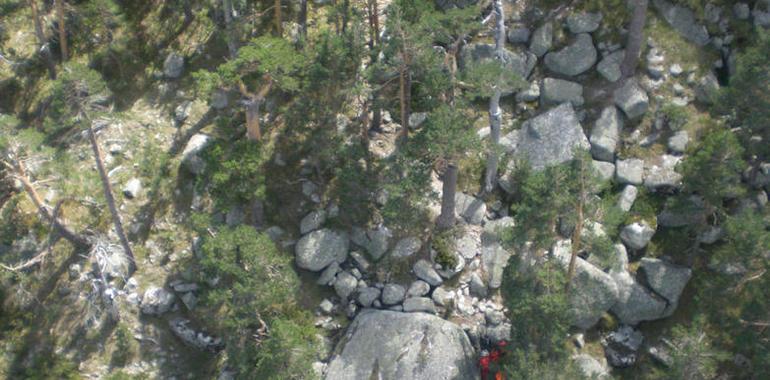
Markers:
<point>388,345</point>
<point>551,138</point>
<point>576,58</point>
<point>593,291</point>
<point>556,91</point>
<point>318,249</point>
<point>682,19</point>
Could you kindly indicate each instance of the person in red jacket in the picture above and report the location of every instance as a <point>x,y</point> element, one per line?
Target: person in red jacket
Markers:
<point>488,362</point>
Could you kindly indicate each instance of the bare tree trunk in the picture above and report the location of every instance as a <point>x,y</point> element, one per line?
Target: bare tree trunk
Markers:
<point>495,114</point>
<point>446,219</point>
<point>278,17</point>
<point>42,40</point>
<point>107,188</point>
<point>253,103</point>
<point>62,29</point>
<point>374,49</point>
<point>66,232</point>
<point>577,234</point>
<point>635,39</point>
<point>303,20</point>
<point>232,47</point>
<point>405,84</point>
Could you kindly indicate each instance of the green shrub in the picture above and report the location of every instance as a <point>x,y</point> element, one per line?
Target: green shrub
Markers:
<point>234,172</point>
<point>675,116</point>
<point>256,283</point>
<point>76,88</point>
<point>443,244</point>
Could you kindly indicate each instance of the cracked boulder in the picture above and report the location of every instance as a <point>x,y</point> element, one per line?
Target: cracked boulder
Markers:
<point>418,346</point>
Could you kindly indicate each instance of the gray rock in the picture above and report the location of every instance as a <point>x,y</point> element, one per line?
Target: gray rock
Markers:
<point>594,292</point>
<point>441,297</point>
<point>328,274</point>
<point>627,197</point>
<point>573,59</point>
<point>557,91</point>
<point>406,247</point>
<point>182,111</point>
<point>632,99</point>
<point>636,235</point>
<point>416,119</point>
<point>663,175</point>
<point>707,89</point>
<point>630,171</point>
<point>742,11</point>
<point>530,94</point>
<point>190,301</point>
<point>542,40</point>
<point>219,99</point>
<point>494,259</point>
<point>375,241</point>
<point>609,66</point>
<point>173,65</point>
<point>518,35</point>
<point>519,63</point>
<point>345,285</point>
<point>318,249</point>
<point>604,171</point>
<point>635,302</point>
<point>423,269</point>
<point>113,262</point>
<point>590,367</point>
<point>470,208</point>
<point>418,288</point>
<point>360,261</point>
<point>550,138</point>
<point>419,304</point>
<point>326,306</point>
<point>477,286</point>
<point>667,280</point>
<point>676,70</point>
<point>190,155</point>
<point>711,235</point>
<point>495,229</point>
<point>418,346</point>
<point>312,221</point>
<point>496,334</point>
<point>621,346</point>
<point>678,142</point>
<point>393,294</point>
<point>198,339</point>
<point>583,22</point>
<point>367,296</point>
<point>468,244</point>
<point>156,301</point>
<point>605,134</point>
<point>682,19</point>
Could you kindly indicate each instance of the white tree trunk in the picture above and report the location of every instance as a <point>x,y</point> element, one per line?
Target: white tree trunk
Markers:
<point>231,45</point>
<point>495,114</point>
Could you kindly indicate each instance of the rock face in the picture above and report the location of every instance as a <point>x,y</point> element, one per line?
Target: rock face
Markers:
<point>594,292</point>
<point>470,208</point>
<point>629,171</point>
<point>609,66</point>
<point>573,59</point>
<point>190,155</point>
<point>605,135</point>
<point>666,279</point>
<point>383,344</point>
<point>551,138</point>
<point>637,235</point>
<point>663,174</point>
<point>542,40</point>
<point>683,21</point>
<point>156,301</point>
<point>173,65</point>
<point>635,302</point>
<point>318,249</point>
<point>583,22</point>
<point>519,64</point>
<point>557,91</point>
<point>632,99</point>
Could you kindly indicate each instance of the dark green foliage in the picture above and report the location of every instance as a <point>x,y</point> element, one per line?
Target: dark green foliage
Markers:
<point>446,135</point>
<point>124,344</point>
<point>523,365</point>
<point>257,283</point>
<point>675,116</point>
<point>443,244</point>
<point>538,308</point>
<point>234,172</point>
<point>77,89</point>
<point>747,98</point>
<point>693,355</point>
<point>714,169</point>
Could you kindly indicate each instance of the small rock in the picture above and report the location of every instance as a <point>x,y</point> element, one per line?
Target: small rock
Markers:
<point>424,271</point>
<point>542,40</point>
<point>173,65</point>
<point>675,70</point>
<point>678,142</point>
<point>629,171</point>
<point>557,91</point>
<point>627,197</point>
<point>575,58</point>
<point>477,286</point>
<point>312,221</point>
<point>133,188</point>
<point>419,304</point>
<point>605,134</point>
<point>632,99</point>
<point>518,35</point>
<point>393,294</point>
<point>345,284</point>
<point>583,22</point>
<point>637,235</point>
<point>156,301</point>
<point>367,296</point>
<point>418,288</point>
<point>406,247</point>
<point>609,66</point>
